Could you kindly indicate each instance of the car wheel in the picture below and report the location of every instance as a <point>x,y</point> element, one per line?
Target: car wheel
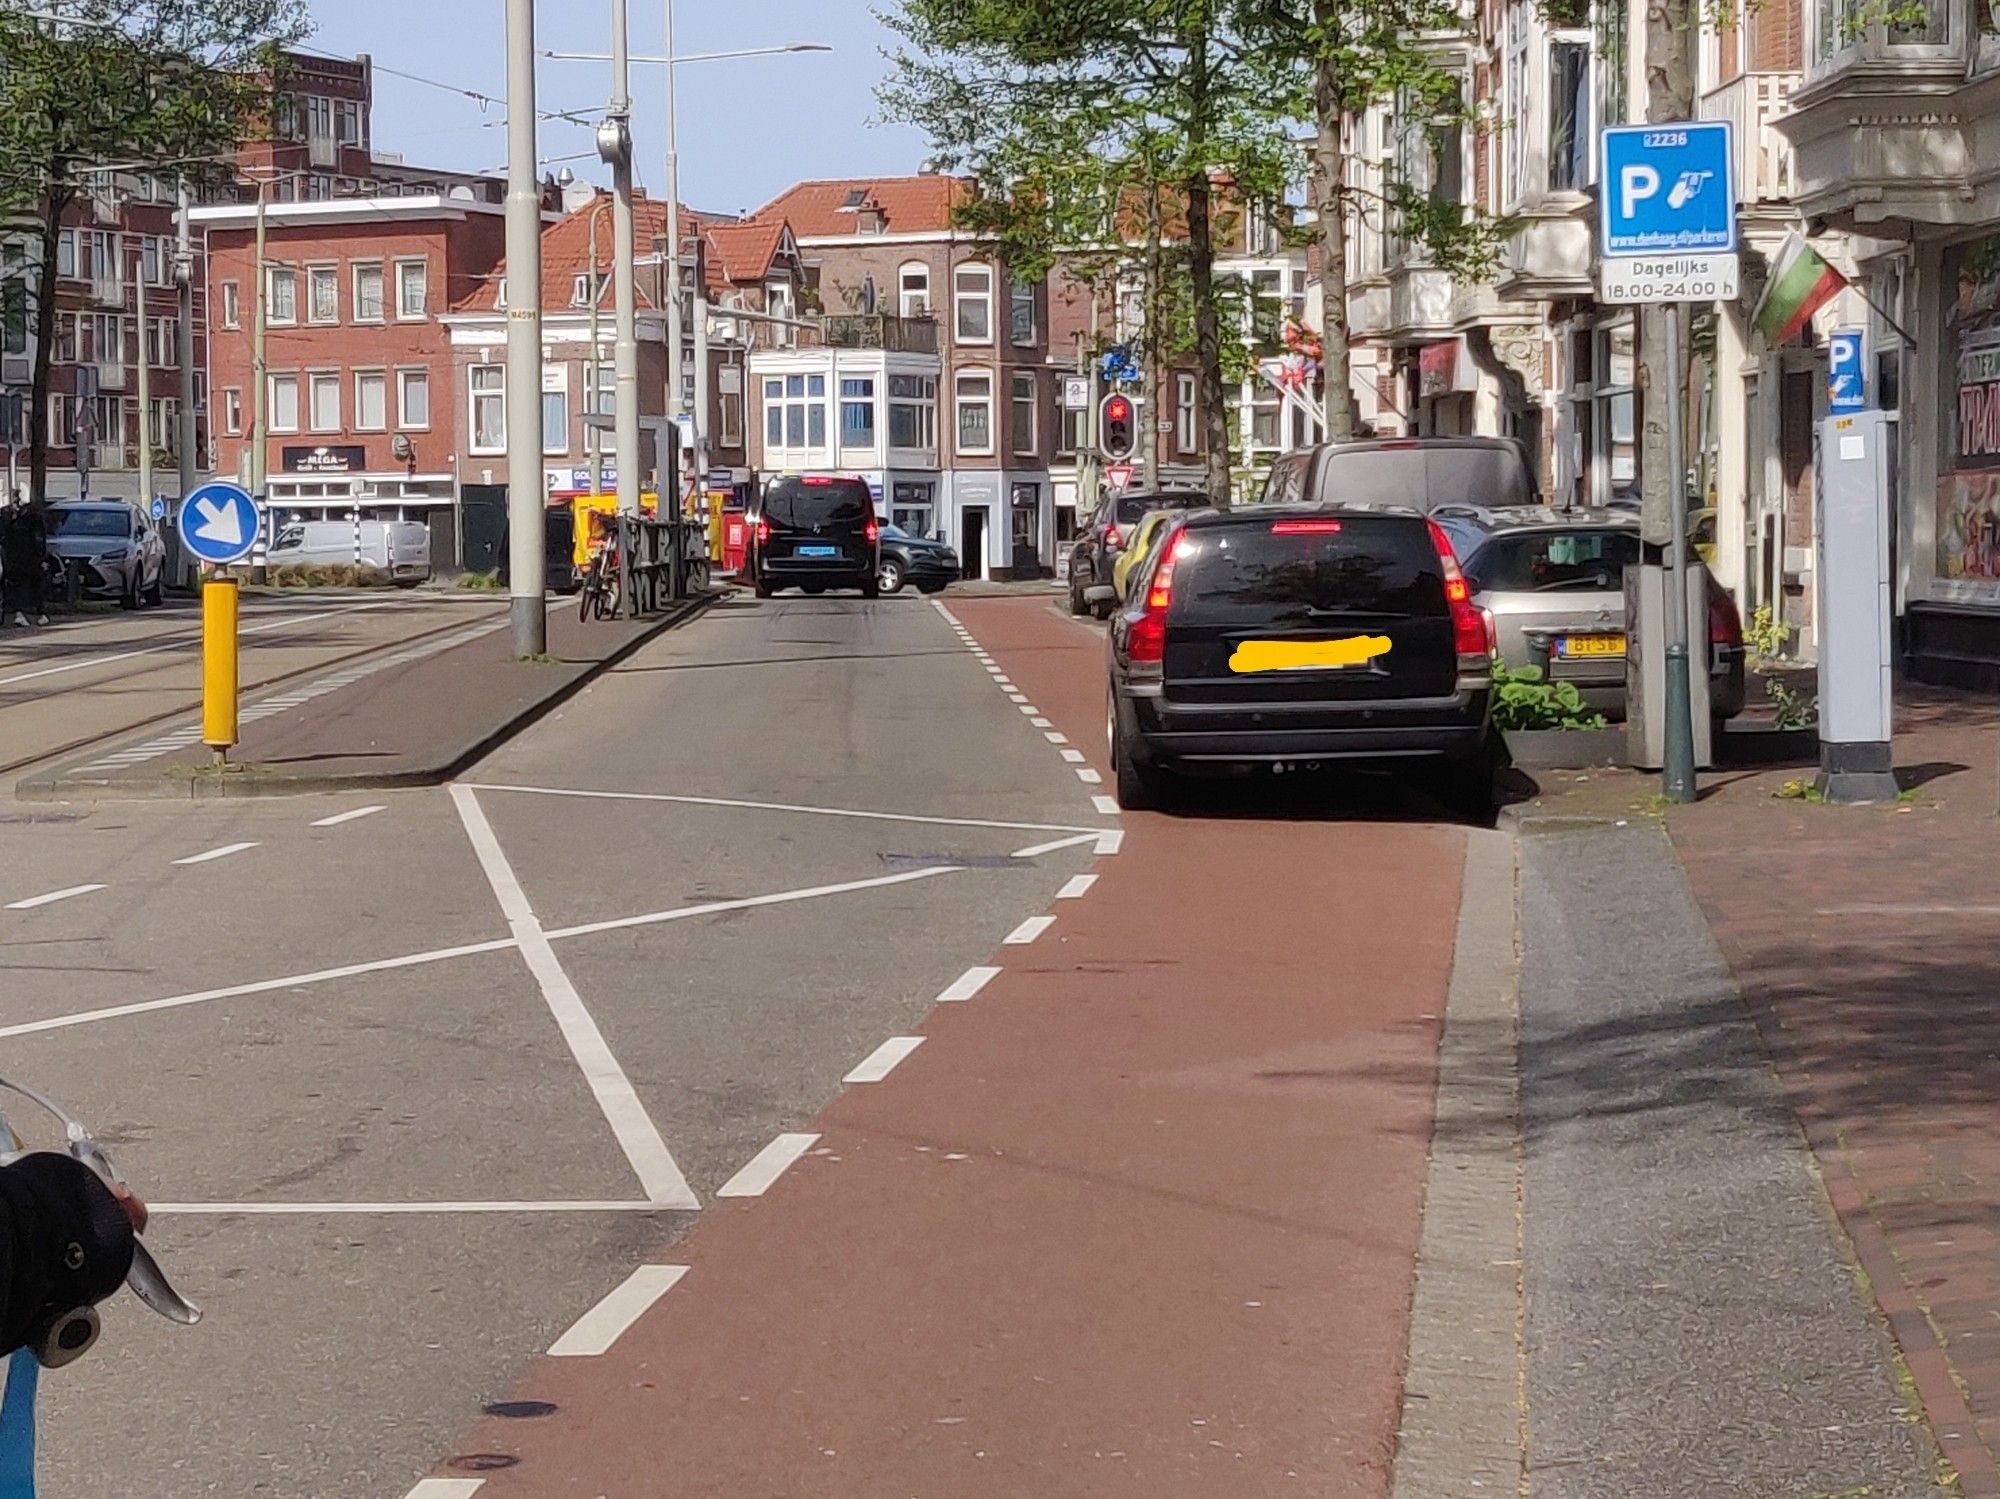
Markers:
<point>1076,604</point>
<point>763,587</point>
<point>1139,787</point>
<point>130,598</point>
<point>1467,786</point>
<point>930,588</point>
<point>157,594</point>
<point>889,577</point>
<point>1105,609</point>
<point>872,589</point>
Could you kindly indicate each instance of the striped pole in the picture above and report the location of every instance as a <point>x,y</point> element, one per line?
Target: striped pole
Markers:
<point>356,514</point>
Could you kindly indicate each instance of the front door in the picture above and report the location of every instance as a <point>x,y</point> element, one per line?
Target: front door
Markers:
<point>972,523</point>
<point>1025,506</point>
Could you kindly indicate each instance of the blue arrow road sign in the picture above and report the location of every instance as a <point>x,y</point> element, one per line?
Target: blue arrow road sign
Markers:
<point>218,523</point>
<point>158,509</point>
<point>1667,190</point>
<point>1846,373</point>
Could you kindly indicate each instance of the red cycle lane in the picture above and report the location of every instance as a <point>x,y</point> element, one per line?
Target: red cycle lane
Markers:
<point>1140,1218</point>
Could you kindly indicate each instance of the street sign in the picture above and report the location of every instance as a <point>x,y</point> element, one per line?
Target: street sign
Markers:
<point>1118,475</point>
<point>218,523</point>
<point>1667,213</point>
<point>158,509</point>
<point>1118,364</point>
<point>1846,372</point>
<point>1076,392</point>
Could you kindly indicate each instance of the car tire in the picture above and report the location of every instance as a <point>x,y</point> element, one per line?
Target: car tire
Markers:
<point>157,594</point>
<point>1139,788</point>
<point>130,598</point>
<point>762,587</point>
<point>1467,786</point>
<point>1077,606</point>
<point>872,589</point>
<point>1104,609</point>
<point>890,575</point>
<point>930,588</point>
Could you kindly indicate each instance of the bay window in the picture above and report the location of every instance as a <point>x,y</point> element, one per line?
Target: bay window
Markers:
<point>857,412</point>
<point>795,411</point>
<point>912,411</point>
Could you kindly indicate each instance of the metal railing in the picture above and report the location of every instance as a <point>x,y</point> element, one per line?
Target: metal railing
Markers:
<point>871,330</point>
<point>1750,102</point>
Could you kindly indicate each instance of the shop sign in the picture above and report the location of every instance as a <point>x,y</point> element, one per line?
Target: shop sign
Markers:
<point>325,460</point>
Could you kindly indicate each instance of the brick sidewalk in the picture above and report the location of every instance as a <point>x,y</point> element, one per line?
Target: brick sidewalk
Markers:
<point>1862,939</point>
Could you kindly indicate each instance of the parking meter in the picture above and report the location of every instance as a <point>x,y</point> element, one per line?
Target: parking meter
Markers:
<point>1855,657</point>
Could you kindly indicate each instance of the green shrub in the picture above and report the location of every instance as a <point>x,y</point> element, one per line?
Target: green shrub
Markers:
<point>1524,698</point>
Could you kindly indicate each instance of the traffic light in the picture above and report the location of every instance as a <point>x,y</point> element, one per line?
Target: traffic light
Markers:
<point>1120,432</point>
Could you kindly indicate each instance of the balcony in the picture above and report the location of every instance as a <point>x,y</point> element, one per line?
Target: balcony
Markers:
<point>1548,257</point>
<point>871,330</point>
<point>1750,103</point>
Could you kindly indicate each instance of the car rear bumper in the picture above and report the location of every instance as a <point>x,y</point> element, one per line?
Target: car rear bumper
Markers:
<point>1455,727</point>
<point>835,571</point>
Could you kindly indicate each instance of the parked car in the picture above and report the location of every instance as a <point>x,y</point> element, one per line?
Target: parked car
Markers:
<point>1101,541</point>
<point>1555,582</point>
<point>399,548</point>
<point>1420,472</point>
<point>1299,636</point>
<point>926,564</point>
<point>1139,548</point>
<point>815,532</point>
<point>118,552</point>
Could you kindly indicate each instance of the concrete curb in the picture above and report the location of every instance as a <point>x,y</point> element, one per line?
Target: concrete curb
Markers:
<point>433,772</point>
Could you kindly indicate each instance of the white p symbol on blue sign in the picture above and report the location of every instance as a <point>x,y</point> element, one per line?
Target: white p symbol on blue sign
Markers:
<point>1636,183</point>
<point>1846,374</point>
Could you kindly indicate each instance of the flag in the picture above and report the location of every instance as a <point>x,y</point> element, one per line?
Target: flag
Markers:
<point>1801,283</point>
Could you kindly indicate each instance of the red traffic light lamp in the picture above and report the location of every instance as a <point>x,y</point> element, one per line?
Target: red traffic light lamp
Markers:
<point>1120,431</point>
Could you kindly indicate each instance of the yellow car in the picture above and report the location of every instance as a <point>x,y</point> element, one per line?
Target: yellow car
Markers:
<point>1140,547</point>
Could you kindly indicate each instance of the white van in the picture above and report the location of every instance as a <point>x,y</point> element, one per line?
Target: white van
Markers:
<point>400,548</point>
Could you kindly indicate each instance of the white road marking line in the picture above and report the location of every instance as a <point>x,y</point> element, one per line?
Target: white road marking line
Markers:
<point>1028,931</point>
<point>1112,842</point>
<point>339,817</point>
<point>883,1059</point>
<point>51,898</point>
<point>1017,697</point>
<point>1049,848</point>
<point>597,1329</point>
<point>168,645</point>
<point>1031,710</point>
<point>1088,776</point>
<point>446,1488</point>
<point>394,1209</point>
<point>1078,886</point>
<point>1074,756</point>
<point>949,616</point>
<point>968,983</point>
<point>217,853</point>
<point>723,801</point>
<point>1056,738</point>
<point>749,903</point>
<point>1041,723</point>
<point>1003,684</point>
<point>637,1135</point>
<point>1108,805</point>
<point>766,1166</point>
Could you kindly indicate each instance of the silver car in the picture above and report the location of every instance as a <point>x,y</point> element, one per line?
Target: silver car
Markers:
<point>1555,581</point>
<point>113,546</point>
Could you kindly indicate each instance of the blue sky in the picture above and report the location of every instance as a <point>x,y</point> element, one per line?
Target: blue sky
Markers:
<point>748,128</point>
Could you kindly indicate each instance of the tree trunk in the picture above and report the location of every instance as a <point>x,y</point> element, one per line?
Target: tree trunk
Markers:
<point>1330,199</point>
<point>1208,337</point>
<point>1155,336</point>
<point>1669,98</point>
<point>45,346</point>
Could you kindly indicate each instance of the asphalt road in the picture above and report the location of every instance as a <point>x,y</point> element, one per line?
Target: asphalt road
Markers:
<point>405,1122</point>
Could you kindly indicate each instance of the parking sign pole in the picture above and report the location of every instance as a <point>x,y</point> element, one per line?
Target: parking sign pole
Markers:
<point>1677,774</point>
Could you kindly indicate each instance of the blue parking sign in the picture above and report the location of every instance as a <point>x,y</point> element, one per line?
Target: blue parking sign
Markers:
<point>1667,190</point>
<point>1846,371</point>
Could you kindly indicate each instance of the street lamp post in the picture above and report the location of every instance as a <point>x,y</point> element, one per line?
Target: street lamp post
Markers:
<point>527,535</point>
<point>673,309</point>
<point>615,144</point>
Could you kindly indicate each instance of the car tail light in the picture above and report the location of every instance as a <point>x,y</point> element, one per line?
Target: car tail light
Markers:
<point>763,531</point>
<point>1147,640</point>
<point>1725,624</point>
<point>816,481</point>
<point>1305,528</point>
<point>873,530</point>
<point>1112,538</point>
<point>1472,630</point>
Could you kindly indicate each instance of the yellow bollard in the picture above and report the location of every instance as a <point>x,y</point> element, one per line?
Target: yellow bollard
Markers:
<point>218,665</point>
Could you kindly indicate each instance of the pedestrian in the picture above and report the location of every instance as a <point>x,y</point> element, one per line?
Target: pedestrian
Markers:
<point>24,560</point>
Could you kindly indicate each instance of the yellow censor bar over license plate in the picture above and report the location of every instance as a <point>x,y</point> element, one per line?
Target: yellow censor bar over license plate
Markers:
<point>1307,655</point>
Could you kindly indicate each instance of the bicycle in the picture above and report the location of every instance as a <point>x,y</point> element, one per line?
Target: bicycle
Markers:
<point>603,592</point>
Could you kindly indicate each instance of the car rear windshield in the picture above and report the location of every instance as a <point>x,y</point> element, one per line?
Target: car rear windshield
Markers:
<point>835,502</point>
<point>1423,477</point>
<point>1133,507</point>
<point>1548,561</point>
<point>91,523</point>
<point>1246,574</point>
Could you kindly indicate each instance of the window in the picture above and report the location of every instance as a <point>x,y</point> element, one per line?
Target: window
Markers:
<point>319,117</point>
<point>106,263</point>
<point>857,412</point>
<point>413,400</point>
<point>281,292</point>
<point>1184,413</point>
<point>488,394</point>
<point>913,298</point>
<point>912,411</point>
<point>368,293</point>
<point>62,419</point>
<point>371,401</point>
<point>152,263</point>
<point>323,394</point>
<point>1073,433</point>
<point>1513,165</point>
<point>232,411</point>
<point>166,341</point>
<point>1570,132</point>
<point>583,291</point>
<point>283,394</point>
<point>322,294</point>
<point>66,255</point>
<point>974,392</point>
<point>69,336</point>
<point>286,125</point>
<point>232,305</point>
<point>555,408</point>
<point>347,121</point>
<point>412,288</point>
<point>972,292</point>
<point>795,411</point>
<point>1021,419</point>
<point>1021,311</point>
<point>729,405</point>
<point>14,318</point>
<point>1267,307</point>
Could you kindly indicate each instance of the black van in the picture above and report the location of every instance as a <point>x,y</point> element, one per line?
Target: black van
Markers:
<point>816,532</point>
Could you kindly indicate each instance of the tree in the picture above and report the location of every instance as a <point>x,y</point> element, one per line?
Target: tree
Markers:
<point>168,85</point>
<point>1060,110</point>
<point>1350,56</point>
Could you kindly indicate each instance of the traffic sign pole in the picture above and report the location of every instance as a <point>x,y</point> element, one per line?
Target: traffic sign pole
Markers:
<point>1677,773</point>
<point>218,665</point>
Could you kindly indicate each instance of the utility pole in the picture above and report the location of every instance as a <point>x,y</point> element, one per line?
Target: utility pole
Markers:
<point>625,353</point>
<point>593,435</point>
<point>145,391</point>
<point>184,342</point>
<point>259,391</point>
<point>527,533</point>
<point>675,324</point>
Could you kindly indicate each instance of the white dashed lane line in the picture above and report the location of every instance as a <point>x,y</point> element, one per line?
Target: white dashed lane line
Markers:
<point>766,1166</point>
<point>883,1059</point>
<point>356,815</point>
<point>446,1488</point>
<point>1088,776</point>
<point>1108,805</point>
<point>1029,930</point>
<point>51,898</point>
<point>1078,886</point>
<point>597,1329</point>
<point>968,984</point>
<point>217,853</point>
